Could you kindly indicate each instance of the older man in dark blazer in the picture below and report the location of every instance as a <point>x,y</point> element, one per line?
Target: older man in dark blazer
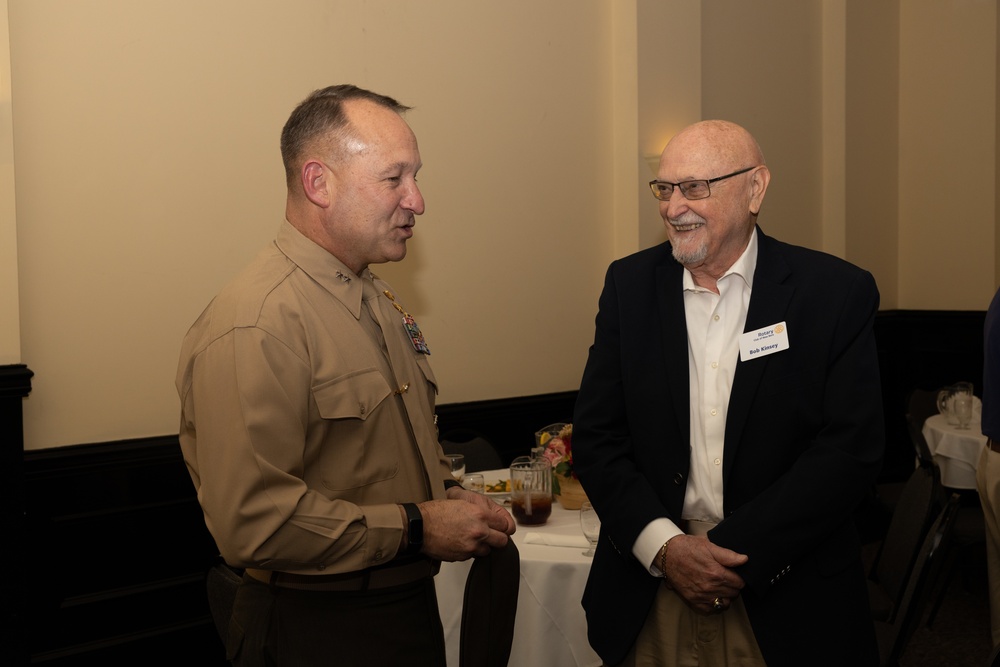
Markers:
<point>728,425</point>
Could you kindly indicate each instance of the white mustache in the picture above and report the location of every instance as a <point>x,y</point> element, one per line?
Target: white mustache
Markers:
<point>689,218</point>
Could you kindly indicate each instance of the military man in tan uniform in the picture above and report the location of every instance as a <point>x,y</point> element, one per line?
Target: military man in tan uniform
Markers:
<point>308,413</point>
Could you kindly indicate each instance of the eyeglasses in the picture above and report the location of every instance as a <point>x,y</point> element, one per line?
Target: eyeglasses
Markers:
<point>690,189</point>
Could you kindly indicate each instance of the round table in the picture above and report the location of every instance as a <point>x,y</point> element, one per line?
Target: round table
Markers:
<point>550,629</point>
<point>955,450</point>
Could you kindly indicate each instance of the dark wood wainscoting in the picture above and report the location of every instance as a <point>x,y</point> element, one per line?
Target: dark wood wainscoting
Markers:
<point>115,548</point>
<point>116,555</point>
<point>15,385</point>
<point>922,349</point>
<point>111,547</point>
<point>508,423</point>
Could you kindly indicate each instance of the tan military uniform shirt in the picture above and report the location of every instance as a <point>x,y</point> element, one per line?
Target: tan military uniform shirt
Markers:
<point>299,436</point>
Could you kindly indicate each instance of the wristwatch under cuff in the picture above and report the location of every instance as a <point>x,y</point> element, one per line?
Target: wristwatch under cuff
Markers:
<point>414,529</point>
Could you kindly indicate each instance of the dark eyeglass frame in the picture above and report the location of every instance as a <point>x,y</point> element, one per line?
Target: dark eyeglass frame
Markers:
<point>687,186</point>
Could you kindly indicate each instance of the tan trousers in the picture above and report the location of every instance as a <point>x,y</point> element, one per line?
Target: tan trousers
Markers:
<point>674,635</point>
<point>988,484</point>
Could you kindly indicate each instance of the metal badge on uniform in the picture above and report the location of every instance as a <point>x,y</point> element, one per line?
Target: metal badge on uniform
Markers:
<point>409,325</point>
<point>413,331</point>
<point>763,342</point>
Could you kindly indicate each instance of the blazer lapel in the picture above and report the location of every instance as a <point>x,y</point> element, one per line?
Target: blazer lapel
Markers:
<point>768,305</point>
<point>670,304</point>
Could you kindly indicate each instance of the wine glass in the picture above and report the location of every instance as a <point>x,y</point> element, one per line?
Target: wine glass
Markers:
<point>457,466</point>
<point>591,525</point>
<point>962,406</point>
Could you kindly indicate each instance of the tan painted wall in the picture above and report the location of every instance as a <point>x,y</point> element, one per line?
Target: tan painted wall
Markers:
<point>146,138</point>
<point>947,143</point>
<point>871,162</point>
<point>146,170</point>
<point>10,320</point>
<point>761,62</point>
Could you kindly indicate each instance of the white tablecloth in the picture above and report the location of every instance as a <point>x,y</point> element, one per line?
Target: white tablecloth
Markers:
<point>550,629</point>
<point>955,450</point>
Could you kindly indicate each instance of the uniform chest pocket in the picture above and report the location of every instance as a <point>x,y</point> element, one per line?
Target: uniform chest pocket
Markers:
<point>348,456</point>
<point>351,396</point>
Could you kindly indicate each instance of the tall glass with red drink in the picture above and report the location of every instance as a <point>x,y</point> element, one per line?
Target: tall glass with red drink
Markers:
<point>531,491</point>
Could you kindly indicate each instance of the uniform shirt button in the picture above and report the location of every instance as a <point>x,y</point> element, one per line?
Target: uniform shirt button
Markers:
<point>321,566</point>
<point>718,461</point>
<point>378,556</point>
<point>678,479</point>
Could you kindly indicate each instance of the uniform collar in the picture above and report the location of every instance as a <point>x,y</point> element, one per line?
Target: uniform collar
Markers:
<point>323,267</point>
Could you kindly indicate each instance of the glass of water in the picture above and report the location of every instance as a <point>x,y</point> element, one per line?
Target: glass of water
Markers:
<point>457,466</point>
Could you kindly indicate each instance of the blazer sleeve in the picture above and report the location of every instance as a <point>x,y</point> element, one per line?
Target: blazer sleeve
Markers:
<point>623,429</point>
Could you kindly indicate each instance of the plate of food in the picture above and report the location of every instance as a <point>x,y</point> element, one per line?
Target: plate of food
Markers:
<point>498,490</point>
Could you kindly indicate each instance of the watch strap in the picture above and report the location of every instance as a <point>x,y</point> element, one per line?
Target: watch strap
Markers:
<point>414,529</point>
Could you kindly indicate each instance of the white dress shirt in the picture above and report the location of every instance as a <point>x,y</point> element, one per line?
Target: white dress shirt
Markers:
<point>714,325</point>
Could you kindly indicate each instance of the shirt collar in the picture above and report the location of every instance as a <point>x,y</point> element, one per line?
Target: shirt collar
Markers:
<point>323,267</point>
<point>744,267</point>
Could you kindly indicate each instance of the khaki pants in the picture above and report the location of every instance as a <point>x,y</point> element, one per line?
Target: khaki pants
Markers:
<point>988,484</point>
<point>674,635</point>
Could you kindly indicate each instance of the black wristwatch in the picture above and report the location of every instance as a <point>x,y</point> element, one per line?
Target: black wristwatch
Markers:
<point>414,529</point>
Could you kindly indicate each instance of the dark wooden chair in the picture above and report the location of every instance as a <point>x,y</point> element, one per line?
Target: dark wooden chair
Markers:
<point>479,453</point>
<point>921,404</point>
<point>895,635</point>
<point>919,503</point>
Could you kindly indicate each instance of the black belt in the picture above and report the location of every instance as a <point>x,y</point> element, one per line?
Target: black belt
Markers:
<point>385,576</point>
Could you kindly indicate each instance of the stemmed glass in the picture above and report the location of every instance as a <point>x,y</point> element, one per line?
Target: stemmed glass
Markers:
<point>962,407</point>
<point>591,525</point>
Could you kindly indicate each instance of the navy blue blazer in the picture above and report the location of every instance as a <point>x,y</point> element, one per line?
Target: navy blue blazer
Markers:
<point>803,445</point>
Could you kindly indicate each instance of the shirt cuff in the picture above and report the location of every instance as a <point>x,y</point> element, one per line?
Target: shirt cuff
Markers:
<point>385,532</point>
<point>652,537</point>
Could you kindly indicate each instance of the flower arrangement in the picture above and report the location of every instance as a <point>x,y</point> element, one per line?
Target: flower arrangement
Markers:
<point>557,443</point>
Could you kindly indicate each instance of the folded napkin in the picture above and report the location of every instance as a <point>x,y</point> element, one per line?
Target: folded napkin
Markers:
<point>557,540</point>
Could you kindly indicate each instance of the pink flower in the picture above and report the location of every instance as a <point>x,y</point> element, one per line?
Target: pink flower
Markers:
<point>555,451</point>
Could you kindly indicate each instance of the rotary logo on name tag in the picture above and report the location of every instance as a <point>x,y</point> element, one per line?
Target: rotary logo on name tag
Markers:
<point>763,342</point>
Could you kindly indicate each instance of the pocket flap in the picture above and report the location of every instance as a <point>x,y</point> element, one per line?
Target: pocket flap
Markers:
<point>351,396</point>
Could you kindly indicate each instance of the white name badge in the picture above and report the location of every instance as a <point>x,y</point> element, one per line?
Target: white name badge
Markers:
<point>763,342</point>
